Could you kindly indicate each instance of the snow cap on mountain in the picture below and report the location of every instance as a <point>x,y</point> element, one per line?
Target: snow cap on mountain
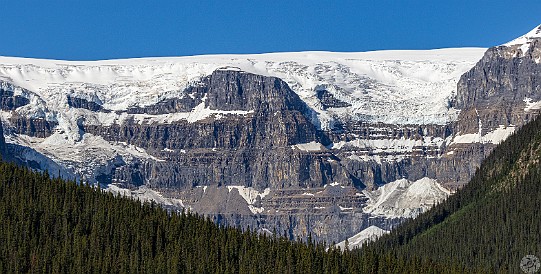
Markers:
<point>526,38</point>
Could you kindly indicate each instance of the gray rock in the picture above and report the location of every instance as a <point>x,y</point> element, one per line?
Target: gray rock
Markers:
<point>77,102</point>
<point>9,101</point>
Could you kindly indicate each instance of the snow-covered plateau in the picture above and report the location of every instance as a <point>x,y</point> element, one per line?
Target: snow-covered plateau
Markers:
<point>392,87</point>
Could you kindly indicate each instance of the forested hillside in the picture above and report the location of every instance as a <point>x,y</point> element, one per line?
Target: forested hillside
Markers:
<point>49,225</point>
<point>492,222</point>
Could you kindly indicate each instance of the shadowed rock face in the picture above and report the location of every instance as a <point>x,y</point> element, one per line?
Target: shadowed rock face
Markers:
<point>328,101</point>
<point>253,150</point>
<point>256,150</point>
<point>493,92</point>
<point>9,101</point>
<point>34,127</point>
<point>76,102</point>
<point>491,95</point>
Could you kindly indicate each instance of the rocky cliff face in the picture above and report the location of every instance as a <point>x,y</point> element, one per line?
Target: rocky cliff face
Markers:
<point>499,94</point>
<point>320,143</point>
<point>247,142</point>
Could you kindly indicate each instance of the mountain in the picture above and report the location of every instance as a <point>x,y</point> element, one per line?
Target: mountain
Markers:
<point>225,137</point>
<point>312,143</point>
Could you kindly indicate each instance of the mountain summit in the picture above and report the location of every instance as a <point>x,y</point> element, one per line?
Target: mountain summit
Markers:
<point>526,38</point>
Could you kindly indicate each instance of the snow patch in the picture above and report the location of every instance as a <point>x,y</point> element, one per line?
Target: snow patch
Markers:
<point>401,145</point>
<point>531,105</point>
<point>312,146</point>
<point>333,184</point>
<point>377,158</point>
<point>203,187</point>
<point>200,112</point>
<point>145,194</point>
<point>525,40</point>
<point>250,195</point>
<point>495,137</point>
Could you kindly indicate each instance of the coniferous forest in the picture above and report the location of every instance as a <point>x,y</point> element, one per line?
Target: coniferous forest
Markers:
<point>50,225</point>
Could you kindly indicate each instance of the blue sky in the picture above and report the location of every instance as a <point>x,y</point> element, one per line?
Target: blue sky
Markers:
<point>96,29</point>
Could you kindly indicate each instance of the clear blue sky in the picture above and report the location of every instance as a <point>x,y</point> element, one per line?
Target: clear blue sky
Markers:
<point>96,29</point>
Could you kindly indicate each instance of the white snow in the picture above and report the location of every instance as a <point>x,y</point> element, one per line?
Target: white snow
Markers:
<point>404,198</point>
<point>200,112</point>
<point>90,156</point>
<point>387,86</point>
<point>265,231</point>
<point>369,234</point>
<point>203,187</point>
<point>525,40</point>
<point>54,168</point>
<point>145,194</point>
<point>401,145</point>
<point>333,184</point>
<point>495,137</point>
<point>250,195</point>
<point>377,158</point>
<point>531,105</point>
<point>312,146</point>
